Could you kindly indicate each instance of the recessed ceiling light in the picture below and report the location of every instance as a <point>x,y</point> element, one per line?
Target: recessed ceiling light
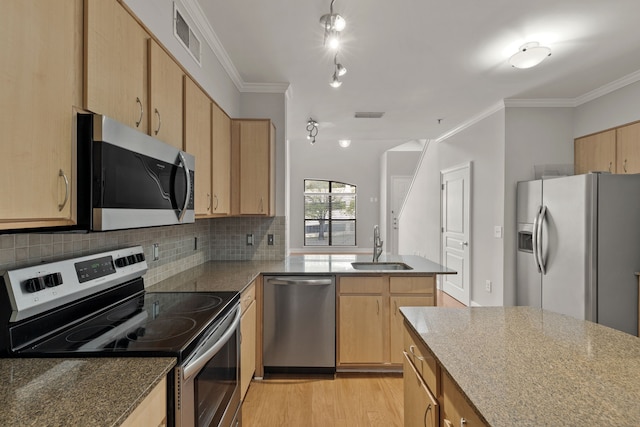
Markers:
<point>344,143</point>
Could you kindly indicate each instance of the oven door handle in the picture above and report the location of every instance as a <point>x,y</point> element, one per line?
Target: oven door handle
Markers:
<point>194,366</point>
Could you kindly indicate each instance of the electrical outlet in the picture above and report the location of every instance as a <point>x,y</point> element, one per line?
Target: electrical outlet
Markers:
<point>487,286</point>
<point>195,243</point>
<point>249,239</point>
<point>156,252</point>
<point>270,239</point>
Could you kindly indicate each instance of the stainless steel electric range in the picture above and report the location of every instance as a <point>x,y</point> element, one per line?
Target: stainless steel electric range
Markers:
<point>96,306</point>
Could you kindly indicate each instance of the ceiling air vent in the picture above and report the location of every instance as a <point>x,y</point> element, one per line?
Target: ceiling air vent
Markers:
<point>368,115</point>
<point>183,32</point>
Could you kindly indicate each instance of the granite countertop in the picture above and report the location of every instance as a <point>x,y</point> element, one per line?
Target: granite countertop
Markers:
<point>236,275</point>
<point>521,366</point>
<point>76,392</point>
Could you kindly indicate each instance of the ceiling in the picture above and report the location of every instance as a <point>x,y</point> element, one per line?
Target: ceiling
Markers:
<point>422,62</point>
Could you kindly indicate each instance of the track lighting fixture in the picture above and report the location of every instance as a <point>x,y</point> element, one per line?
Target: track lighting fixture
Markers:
<point>312,128</point>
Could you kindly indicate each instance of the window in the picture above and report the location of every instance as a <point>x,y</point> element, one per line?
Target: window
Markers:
<point>329,213</point>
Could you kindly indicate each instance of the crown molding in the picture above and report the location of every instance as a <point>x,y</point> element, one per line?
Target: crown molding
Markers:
<point>543,102</point>
<point>608,88</point>
<point>265,87</point>
<point>472,121</point>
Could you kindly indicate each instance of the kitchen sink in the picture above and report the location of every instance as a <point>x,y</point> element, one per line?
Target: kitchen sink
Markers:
<point>380,266</point>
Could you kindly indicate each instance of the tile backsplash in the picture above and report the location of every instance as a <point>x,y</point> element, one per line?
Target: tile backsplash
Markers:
<point>217,239</point>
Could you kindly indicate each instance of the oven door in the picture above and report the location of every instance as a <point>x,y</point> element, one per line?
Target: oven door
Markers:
<point>207,391</point>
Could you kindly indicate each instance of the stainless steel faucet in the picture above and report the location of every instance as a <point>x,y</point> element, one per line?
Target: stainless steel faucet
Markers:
<point>377,243</point>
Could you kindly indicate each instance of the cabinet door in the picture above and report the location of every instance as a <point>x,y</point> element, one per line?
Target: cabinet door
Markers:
<point>197,141</point>
<point>40,75</point>
<point>255,156</point>
<point>220,161</point>
<point>115,64</point>
<point>165,97</point>
<point>247,347</point>
<point>397,326</point>
<point>596,153</point>
<point>361,326</point>
<point>455,406</point>
<point>420,407</point>
<point>628,148</point>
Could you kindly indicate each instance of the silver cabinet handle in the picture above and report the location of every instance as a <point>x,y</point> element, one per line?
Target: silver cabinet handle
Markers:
<point>159,121</point>
<point>624,165</point>
<point>66,190</point>
<point>610,165</point>
<point>215,197</point>
<point>463,421</point>
<point>412,350</point>
<point>261,206</point>
<point>208,201</point>
<point>395,308</point>
<point>141,111</point>
<point>378,306</point>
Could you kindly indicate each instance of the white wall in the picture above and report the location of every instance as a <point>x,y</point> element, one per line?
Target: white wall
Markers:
<point>613,109</point>
<point>359,164</point>
<point>483,145</point>
<point>157,16</point>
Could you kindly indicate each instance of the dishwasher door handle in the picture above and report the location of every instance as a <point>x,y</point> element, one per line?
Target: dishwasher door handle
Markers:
<point>281,281</point>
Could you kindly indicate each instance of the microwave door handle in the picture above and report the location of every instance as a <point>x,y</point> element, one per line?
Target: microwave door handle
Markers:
<point>194,366</point>
<point>188,181</point>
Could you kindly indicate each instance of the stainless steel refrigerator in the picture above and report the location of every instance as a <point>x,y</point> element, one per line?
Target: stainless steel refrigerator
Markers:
<point>579,247</point>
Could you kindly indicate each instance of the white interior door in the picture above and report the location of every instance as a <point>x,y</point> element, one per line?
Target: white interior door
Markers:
<point>456,200</point>
<point>399,189</point>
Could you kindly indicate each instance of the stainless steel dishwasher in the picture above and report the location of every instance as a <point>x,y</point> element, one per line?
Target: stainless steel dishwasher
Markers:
<point>299,330</point>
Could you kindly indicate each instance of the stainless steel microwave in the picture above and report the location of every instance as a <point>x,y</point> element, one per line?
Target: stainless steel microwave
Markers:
<point>127,179</point>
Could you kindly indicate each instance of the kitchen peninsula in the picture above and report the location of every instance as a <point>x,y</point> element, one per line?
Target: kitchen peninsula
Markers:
<point>524,366</point>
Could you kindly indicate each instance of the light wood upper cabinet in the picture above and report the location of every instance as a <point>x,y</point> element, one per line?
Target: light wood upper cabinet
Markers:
<point>41,74</point>
<point>595,153</point>
<point>221,161</point>
<point>628,148</point>
<point>116,64</point>
<point>165,97</point>
<point>197,139</point>
<point>253,167</point>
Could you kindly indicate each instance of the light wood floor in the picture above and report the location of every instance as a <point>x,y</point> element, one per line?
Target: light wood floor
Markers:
<point>352,400</point>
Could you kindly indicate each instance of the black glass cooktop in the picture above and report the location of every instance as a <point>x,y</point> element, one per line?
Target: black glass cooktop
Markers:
<point>151,324</point>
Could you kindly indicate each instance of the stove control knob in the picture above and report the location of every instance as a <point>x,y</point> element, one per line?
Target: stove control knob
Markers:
<point>139,257</point>
<point>131,259</point>
<point>52,280</point>
<point>121,262</point>
<point>34,285</point>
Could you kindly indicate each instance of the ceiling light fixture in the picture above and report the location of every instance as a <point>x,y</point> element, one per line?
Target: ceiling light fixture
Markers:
<point>339,70</point>
<point>344,143</point>
<point>529,55</point>
<point>335,82</point>
<point>312,128</point>
<point>333,24</point>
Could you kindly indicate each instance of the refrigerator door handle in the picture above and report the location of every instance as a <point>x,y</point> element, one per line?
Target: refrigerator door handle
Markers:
<point>534,236</point>
<point>542,215</point>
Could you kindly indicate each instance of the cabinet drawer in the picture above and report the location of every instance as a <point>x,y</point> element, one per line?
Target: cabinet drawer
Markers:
<point>455,406</point>
<point>247,297</point>
<point>362,285</point>
<point>423,360</point>
<point>412,284</point>
<point>420,406</point>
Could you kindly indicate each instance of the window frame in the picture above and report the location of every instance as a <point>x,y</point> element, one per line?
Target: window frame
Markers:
<point>329,220</point>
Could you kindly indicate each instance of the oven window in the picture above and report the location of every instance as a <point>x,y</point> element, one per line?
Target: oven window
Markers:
<point>216,383</point>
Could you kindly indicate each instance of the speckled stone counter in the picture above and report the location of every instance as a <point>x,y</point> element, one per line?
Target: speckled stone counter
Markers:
<point>236,275</point>
<point>521,366</point>
<point>76,392</point>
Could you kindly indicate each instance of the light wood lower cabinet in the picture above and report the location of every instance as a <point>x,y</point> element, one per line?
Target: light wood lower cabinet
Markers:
<point>431,396</point>
<point>152,411</point>
<point>370,325</point>
<point>248,334</point>
<point>41,79</point>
